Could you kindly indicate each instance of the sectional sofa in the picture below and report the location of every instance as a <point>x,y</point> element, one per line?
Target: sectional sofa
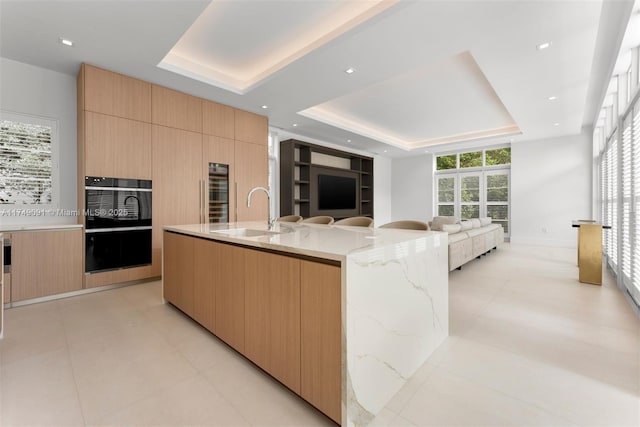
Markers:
<point>468,239</point>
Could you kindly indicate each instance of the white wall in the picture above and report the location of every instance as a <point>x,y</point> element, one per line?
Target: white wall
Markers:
<point>551,183</point>
<point>412,188</point>
<point>31,90</point>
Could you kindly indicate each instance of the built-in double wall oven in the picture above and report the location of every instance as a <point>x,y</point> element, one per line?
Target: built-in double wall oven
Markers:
<point>117,223</point>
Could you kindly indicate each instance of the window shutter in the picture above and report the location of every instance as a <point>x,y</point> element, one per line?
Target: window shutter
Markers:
<point>635,215</point>
<point>25,163</point>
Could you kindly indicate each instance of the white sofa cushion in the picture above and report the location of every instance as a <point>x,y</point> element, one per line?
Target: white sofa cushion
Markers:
<point>439,221</point>
<point>485,221</point>
<point>466,225</point>
<point>476,223</point>
<point>457,237</point>
<point>451,228</point>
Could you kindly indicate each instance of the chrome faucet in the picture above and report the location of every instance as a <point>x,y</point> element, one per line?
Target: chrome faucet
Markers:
<point>270,220</point>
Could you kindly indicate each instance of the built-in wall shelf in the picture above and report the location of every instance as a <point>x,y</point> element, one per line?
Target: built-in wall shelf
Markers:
<point>300,165</point>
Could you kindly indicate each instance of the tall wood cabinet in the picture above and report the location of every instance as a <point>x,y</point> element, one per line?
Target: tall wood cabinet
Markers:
<point>128,128</point>
<point>177,182</point>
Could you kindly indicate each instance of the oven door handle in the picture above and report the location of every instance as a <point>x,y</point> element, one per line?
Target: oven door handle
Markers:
<point>110,230</point>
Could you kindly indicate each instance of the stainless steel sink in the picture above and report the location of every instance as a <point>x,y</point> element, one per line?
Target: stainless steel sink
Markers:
<point>246,232</point>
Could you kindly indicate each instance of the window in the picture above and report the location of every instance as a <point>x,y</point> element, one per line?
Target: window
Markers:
<point>446,162</point>
<point>471,160</point>
<point>497,197</point>
<point>470,196</point>
<point>479,192</point>
<point>446,195</point>
<point>27,160</point>
<point>500,156</point>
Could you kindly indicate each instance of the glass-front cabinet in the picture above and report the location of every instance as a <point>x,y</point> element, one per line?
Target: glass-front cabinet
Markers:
<point>218,192</point>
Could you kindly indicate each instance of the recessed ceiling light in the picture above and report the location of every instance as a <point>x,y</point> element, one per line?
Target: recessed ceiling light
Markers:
<point>295,124</point>
<point>552,98</point>
<point>556,124</point>
<point>264,107</point>
<point>543,46</point>
<point>65,42</point>
<point>385,151</point>
<point>350,70</point>
<point>348,140</point>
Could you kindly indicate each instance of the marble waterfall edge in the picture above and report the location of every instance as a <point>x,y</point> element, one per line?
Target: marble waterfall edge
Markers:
<point>397,313</point>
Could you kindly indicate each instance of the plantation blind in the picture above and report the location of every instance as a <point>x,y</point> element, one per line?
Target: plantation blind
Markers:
<point>634,126</point>
<point>25,163</point>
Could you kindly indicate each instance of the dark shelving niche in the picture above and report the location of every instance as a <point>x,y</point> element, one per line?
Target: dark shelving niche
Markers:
<point>297,192</point>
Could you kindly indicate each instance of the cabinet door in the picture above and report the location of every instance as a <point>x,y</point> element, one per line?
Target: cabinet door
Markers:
<point>177,182</point>
<point>251,161</point>
<point>178,274</point>
<point>272,304</point>
<point>230,295</point>
<point>116,95</point>
<point>117,147</point>
<point>321,353</point>
<point>218,120</point>
<point>7,287</point>
<point>45,263</point>
<point>220,150</point>
<point>206,264</point>
<point>250,127</point>
<point>176,109</point>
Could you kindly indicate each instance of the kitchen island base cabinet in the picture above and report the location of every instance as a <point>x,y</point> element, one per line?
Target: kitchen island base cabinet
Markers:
<point>178,277</point>
<point>272,315</point>
<point>263,305</point>
<point>320,335</point>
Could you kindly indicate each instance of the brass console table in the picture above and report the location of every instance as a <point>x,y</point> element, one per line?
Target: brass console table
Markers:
<point>590,250</point>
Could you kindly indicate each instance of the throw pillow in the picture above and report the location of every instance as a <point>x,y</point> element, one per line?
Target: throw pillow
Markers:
<point>451,228</point>
<point>485,221</point>
<point>439,221</point>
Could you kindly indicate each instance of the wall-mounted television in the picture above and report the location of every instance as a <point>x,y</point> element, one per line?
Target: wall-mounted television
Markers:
<point>334,192</point>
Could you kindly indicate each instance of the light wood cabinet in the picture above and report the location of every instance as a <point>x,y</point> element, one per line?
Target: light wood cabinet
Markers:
<point>178,280</point>
<point>252,170</point>
<point>218,120</point>
<point>177,182</point>
<point>116,95</point>
<point>117,147</point>
<point>119,276</point>
<point>45,263</point>
<point>251,127</point>
<point>281,312</point>
<point>129,128</point>
<point>230,295</point>
<point>272,315</point>
<point>320,335</point>
<point>7,287</point>
<point>205,268</point>
<point>176,109</point>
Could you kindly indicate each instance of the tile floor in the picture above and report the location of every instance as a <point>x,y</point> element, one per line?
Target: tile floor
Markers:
<point>528,345</point>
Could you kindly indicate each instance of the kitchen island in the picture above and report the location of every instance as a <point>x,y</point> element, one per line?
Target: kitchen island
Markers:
<point>343,316</point>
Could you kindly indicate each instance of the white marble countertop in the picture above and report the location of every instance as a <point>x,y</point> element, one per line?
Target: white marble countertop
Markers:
<point>8,228</point>
<point>322,241</point>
